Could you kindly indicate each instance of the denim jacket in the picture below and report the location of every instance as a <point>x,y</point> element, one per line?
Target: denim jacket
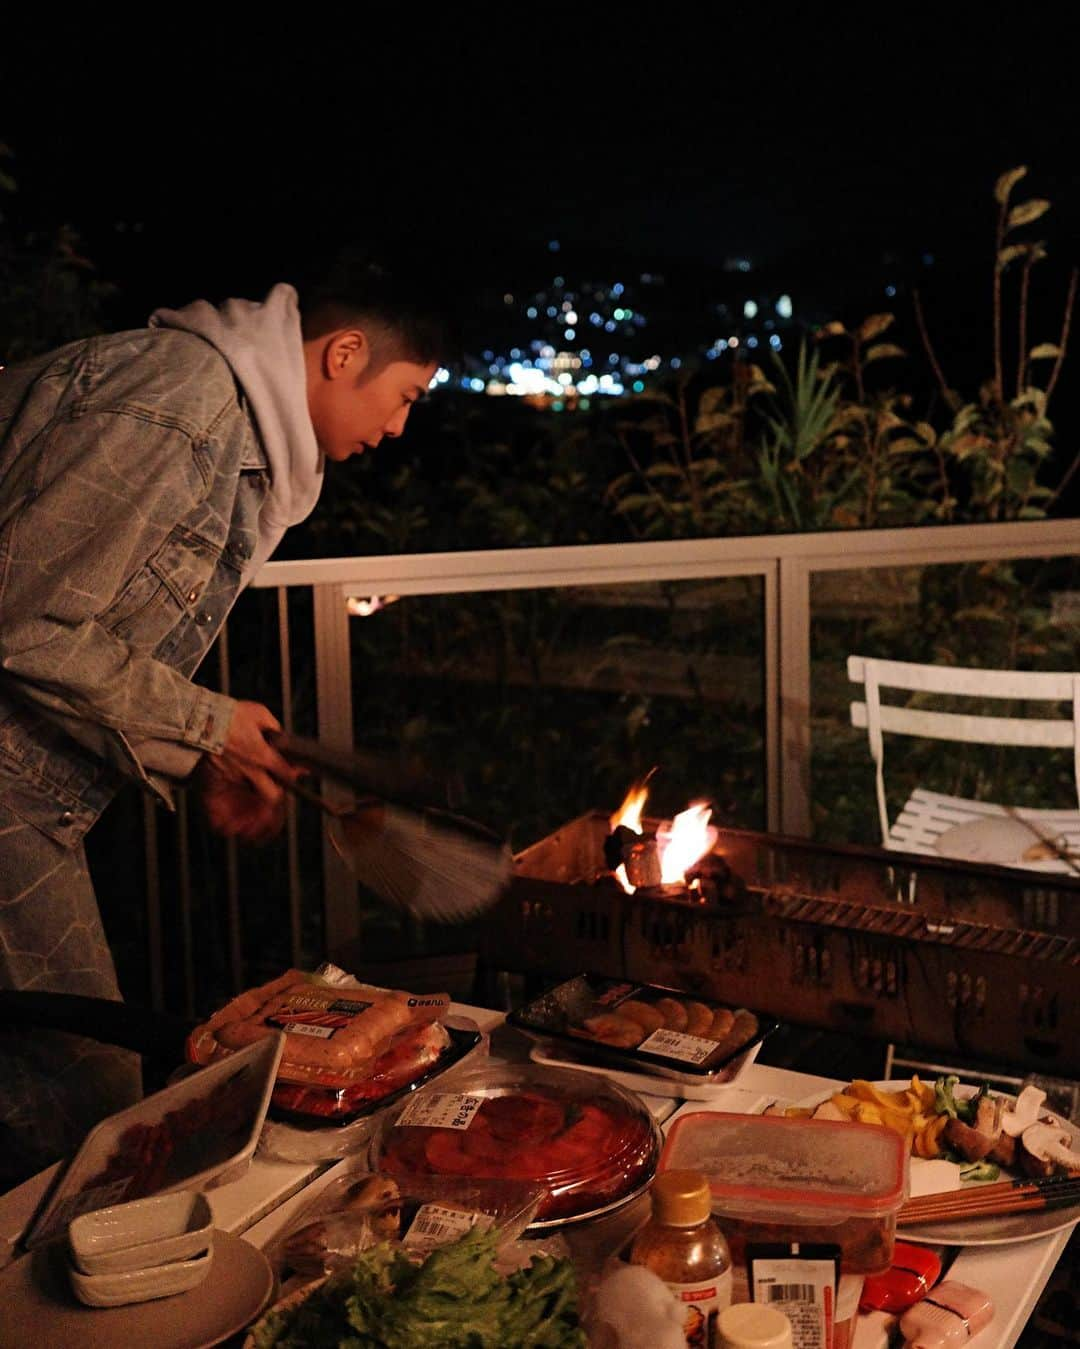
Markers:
<point>131,478</point>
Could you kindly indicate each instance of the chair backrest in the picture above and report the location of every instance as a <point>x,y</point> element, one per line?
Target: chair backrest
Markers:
<point>972,728</point>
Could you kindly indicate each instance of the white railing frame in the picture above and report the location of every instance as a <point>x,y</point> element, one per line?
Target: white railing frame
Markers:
<point>785,562</point>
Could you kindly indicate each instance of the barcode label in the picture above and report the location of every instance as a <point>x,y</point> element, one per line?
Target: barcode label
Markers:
<point>673,1044</point>
<point>306,1028</point>
<point>441,1110</point>
<point>435,1225</point>
<point>790,1292</point>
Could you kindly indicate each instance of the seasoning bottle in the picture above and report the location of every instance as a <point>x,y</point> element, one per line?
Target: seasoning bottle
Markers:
<point>683,1244</point>
<point>947,1318</point>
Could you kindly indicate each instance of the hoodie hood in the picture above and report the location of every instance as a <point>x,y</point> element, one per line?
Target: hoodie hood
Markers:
<point>264,348</point>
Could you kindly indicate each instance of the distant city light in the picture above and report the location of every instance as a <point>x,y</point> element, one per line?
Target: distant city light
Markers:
<point>733,341</point>
<point>440,377</point>
<point>620,314</point>
<point>571,317</point>
<point>531,312</point>
<point>553,245</point>
<point>638,386</point>
<point>570,334</point>
<point>508,298</point>
<point>617,289</point>
<point>784,307</point>
<point>551,311</point>
<point>560,281</point>
<point>751,341</point>
<point>613,359</point>
<point>744,266</point>
<point>750,309</point>
<point>676,364</point>
<point>774,342</point>
<point>477,385</point>
<point>890,291</point>
<point>489,355</point>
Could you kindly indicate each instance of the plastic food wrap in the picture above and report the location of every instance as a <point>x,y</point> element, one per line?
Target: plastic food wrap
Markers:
<point>336,1028</point>
<point>360,1208</point>
<point>592,1145</point>
<point>645,1027</point>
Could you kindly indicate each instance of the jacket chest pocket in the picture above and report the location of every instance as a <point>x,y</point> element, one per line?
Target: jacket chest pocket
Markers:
<point>163,592</point>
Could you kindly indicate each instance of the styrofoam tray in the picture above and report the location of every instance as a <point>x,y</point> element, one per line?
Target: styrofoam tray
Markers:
<point>226,1104</point>
<point>556,1057</point>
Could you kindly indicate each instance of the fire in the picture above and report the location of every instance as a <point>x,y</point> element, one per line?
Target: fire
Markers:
<point>629,813</point>
<point>691,837</point>
<point>679,846</point>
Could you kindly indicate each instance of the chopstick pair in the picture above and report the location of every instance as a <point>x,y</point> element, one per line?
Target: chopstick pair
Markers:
<point>1010,1196</point>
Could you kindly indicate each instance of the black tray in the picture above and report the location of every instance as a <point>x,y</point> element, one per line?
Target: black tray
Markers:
<point>554,1012</point>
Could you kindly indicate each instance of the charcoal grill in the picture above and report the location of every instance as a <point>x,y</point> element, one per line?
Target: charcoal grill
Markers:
<point>967,960</point>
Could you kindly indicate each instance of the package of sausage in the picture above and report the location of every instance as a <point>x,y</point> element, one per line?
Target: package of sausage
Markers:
<point>688,1037</point>
<point>336,1028</point>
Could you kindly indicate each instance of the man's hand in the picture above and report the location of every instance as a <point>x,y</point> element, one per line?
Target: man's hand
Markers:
<point>241,787</point>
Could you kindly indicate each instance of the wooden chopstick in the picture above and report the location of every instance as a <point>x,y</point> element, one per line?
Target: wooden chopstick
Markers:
<point>1006,1197</point>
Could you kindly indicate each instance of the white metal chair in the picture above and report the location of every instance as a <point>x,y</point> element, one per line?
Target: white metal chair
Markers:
<point>928,817</point>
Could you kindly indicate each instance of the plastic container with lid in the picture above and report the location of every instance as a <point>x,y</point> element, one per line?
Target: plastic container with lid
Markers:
<point>590,1143</point>
<point>914,1271</point>
<point>774,1179</point>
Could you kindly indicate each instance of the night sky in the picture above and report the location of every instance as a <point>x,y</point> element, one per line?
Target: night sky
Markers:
<point>212,161</point>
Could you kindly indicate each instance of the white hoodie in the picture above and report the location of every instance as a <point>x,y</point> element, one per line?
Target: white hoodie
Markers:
<point>264,348</point>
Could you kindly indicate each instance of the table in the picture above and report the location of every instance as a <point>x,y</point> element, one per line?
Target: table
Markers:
<point>261,1204</point>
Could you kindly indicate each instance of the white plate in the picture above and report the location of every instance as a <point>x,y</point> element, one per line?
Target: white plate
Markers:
<point>994,838</point>
<point>40,1308</point>
<point>558,1057</point>
<point>992,1230</point>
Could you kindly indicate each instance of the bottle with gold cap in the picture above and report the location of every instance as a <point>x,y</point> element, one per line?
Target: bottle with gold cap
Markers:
<point>683,1244</point>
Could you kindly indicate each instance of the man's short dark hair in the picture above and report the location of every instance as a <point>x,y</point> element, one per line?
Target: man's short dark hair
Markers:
<point>410,311</point>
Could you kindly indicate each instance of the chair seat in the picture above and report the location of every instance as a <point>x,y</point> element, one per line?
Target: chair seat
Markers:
<point>927,815</point>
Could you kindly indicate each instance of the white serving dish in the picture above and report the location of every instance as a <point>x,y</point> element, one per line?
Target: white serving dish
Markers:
<point>139,1285</point>
<point>207,1126</point>
<point>146,1232</point>
<point>556,1056</point>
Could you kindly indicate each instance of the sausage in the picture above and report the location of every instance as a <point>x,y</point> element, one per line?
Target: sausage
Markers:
<point>674,1013</point>
<point>611,1029</point>
<point>722,1022</point>
<point>648,1018</point>
<point>699,1019</point>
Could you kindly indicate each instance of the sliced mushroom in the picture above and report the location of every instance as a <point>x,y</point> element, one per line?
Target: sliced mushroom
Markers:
<point>1046,1148</point>
<point>1024,1112</point>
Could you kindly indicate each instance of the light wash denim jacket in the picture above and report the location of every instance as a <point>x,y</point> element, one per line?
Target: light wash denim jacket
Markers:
<point>131,477</point>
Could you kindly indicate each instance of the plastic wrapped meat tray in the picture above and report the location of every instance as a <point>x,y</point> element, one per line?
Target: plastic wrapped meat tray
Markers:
<point>592,1145</point>
<point>645,1027</point>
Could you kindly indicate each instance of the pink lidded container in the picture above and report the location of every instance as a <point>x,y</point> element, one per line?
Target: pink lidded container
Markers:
<point>947,1318</point>
<point>775,1179</point>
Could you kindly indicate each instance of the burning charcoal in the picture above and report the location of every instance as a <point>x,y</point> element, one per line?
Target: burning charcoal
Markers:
<point>617,844</point>
<point>643,863</point>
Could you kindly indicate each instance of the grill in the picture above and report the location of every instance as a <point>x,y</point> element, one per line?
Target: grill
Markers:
<point>964,959</point>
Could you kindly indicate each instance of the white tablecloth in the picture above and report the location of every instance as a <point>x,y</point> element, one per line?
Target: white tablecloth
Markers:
<point>262,1203</point>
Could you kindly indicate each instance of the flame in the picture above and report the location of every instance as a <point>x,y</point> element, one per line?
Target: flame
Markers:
<point>629,813</point>
<point>690,837</point>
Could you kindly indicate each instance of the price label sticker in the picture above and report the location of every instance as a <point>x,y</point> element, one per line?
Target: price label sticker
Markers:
<point>441,1110</point>
<point>673,1044</point>
<point>435,1225</point>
